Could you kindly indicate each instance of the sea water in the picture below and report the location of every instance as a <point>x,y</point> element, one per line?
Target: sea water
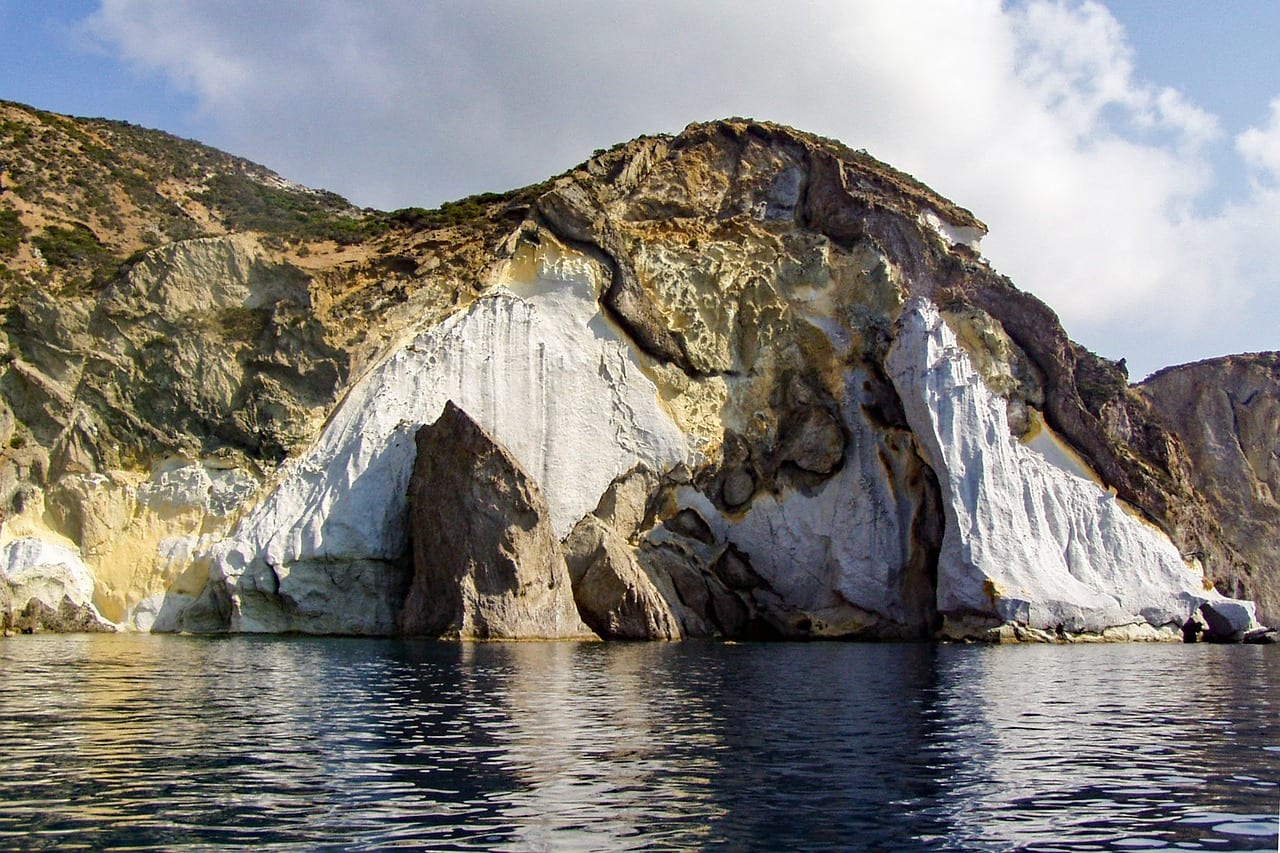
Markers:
<point>135,742</point>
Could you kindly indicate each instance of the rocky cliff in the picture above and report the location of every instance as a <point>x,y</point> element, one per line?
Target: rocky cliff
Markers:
<point>1226,413</point>
<point>739,382</point>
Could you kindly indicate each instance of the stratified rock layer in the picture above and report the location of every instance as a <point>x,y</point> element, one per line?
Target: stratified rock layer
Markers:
<point>486,563</point>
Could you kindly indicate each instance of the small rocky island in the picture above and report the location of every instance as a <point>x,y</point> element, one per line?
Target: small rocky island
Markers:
<point>741,382</point>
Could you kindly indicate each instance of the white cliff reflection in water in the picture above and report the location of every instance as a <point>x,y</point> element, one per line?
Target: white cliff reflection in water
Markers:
<point>179,743</point>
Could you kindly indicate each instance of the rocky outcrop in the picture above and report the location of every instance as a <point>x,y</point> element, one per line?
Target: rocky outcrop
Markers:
<point>174,324</point>
<point>1232,621</point>
<point>486,564</point>
<point>1025,541</point>
<point>615,593</point>
<point>1226,414</point>
<point>532,363</point>
<point>46,587</point>
<point>740,382</point>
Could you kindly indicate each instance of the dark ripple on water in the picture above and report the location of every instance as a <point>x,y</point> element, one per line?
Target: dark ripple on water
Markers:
<point>178,743</point>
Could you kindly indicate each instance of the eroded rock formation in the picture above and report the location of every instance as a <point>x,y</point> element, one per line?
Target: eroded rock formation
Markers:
<point>737,382</point>
<point>486,563</point>
<point>1026,542</point>
<point>46,587</point>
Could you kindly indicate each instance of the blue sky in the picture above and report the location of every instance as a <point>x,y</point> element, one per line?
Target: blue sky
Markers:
<point>1223,56</point>
<point>1126,155</point>
<point>49,63</point>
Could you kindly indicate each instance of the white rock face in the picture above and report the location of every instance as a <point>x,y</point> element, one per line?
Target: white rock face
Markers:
<point>183,485</point>
<point>35,569</point>
<point>840,553</point>
<point>954,234</point>
<point>534,363</point>
<point>1229,618</point>
<point>1025,541</point>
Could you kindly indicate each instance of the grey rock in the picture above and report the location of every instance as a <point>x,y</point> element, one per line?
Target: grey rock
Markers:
<point>486,562</point>
<point>624,505</point>
<point>738,487</point>
<point>1229,619</point>
<point>734,569</point>
<point>815,443</point>
<point>690,586</point>
<point>677,574</point>
<point>614,594</point>
<point>729,611</point>
<point>1261,635</point>
<point>67,618</point>
<point>687,522</point>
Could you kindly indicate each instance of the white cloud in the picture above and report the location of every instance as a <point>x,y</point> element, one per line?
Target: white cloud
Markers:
<point>1260,146</point>
<point>1030,114</point>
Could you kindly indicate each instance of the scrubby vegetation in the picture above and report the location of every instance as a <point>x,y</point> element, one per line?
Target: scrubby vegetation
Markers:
<point>143,188</point>
<point>467,209</point>
<point>1098,380</point>
<point>250,205</point>
<point>11,231</point>
<point>243,324</point>
<point>72,246</point>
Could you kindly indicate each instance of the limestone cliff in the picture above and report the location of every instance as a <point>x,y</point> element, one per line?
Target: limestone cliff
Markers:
<point>176,323</point>
<point>765,386</point>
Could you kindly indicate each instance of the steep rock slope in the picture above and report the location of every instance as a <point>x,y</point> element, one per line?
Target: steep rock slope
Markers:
<point>720,356</point>
<point>1043,545</point>
<point>147,393</point>
<point>1226,412</point>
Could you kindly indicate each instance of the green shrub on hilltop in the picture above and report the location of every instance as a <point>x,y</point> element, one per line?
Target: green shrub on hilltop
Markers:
<point>469,209</point>
<point>250,205</point>
<point>11,231</point>
<point>72,246</point>
<point>118,177</point>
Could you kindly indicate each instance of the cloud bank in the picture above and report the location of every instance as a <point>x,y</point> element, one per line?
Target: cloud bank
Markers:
<point>1092,180</point>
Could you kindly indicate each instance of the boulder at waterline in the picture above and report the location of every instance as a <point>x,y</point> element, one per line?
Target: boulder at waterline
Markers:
<point>46,587</point>
<point>486,563</point>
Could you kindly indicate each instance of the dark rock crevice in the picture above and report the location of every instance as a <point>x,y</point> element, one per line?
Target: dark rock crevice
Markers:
<point>569,214</point>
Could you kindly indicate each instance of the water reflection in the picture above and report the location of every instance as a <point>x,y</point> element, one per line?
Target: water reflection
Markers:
<point>826,746</point>
<point>313,744</point>
<point>1109,747</point>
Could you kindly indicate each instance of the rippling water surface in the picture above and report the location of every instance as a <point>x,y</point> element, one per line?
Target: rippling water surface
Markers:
<point>178,743</point>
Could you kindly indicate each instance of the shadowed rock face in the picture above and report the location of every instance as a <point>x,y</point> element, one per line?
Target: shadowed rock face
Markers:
<point>1226,413</point>
<point>67,618</point>
<point>486,564</point>
<point>615,595</point>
